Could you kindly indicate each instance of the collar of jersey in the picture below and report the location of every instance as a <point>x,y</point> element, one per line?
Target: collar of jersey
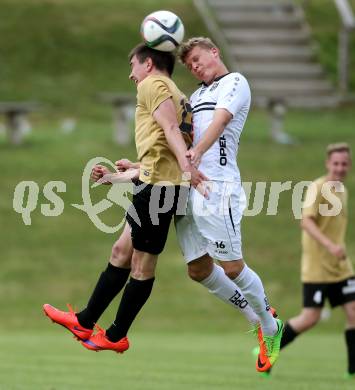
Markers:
<point>216,79</point>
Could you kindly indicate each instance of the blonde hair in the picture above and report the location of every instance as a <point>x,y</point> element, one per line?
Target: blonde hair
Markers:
<point>187,46</point>
<point>338,147</point>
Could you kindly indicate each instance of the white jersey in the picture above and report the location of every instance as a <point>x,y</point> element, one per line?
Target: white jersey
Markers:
<point>232,93</point>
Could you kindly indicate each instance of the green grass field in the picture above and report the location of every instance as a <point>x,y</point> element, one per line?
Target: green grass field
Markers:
<point>182,339</point>
<point>62,53</point>
<point>57,259</point>
<point>53,360</point>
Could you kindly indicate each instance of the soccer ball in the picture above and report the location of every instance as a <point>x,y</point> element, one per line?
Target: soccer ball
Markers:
<point>162,30</point>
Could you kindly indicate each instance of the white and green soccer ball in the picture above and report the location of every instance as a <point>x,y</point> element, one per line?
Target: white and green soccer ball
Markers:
<point>162,30</point>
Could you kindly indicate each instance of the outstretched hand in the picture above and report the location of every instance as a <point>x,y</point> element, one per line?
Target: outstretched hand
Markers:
<point>120,177</point>
<point>125,174</point>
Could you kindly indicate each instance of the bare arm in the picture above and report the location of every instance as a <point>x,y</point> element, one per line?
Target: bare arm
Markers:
<point>310,226</point>
<point>220,120</point>
<point>166,117</point>
<point>102,175</point>
<point>126,171</point>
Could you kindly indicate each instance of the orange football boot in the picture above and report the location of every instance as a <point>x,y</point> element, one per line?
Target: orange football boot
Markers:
<point>67,319</point>
<point>269,348</point>
<point>99,342</point>
<point>263,363</point>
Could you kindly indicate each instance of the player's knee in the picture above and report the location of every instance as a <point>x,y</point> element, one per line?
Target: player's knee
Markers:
<point>311,320</point>
<point>201,268</point>
<point>120,255</point>
<point>197,273</point>
<point>232,268</point>
<point>231,273</point>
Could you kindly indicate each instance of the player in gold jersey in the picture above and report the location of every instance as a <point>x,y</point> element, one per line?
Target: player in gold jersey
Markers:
<point>163,130</point>
<point>326,271</point>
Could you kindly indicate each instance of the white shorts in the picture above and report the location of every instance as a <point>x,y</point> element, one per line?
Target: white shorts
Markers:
<point>213,225</point>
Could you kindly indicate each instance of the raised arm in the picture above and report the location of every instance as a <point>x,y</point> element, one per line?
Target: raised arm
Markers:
<point>220,120</point>
<point>166,117</point>
<point>233,100</point>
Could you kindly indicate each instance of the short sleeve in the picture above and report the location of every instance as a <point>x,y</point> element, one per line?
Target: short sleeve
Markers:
<point>153,92</point>
<point>312,201</point>
<point>234,94</point>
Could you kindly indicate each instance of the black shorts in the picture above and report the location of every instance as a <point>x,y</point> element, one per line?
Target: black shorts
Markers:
<point>150,214</point>
<point>315,294</point>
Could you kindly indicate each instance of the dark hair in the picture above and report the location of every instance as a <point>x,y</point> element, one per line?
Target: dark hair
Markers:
<point>163,60</point>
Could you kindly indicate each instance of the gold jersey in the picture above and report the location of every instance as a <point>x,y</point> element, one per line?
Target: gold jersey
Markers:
<point>157,162</point>
<point>318,265</point>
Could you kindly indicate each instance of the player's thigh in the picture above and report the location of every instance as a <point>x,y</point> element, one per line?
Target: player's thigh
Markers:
<point>218,221</point>
<point>342,292</point>
<point>314,295</point>
<point>191,242</point>
<point>149,228</point>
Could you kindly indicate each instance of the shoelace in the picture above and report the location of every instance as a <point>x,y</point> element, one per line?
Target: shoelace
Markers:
<point>257,332</point>
<point>71,310</point>
<point>254,330</point>
<point>100,331</point>
<point>269,344</point>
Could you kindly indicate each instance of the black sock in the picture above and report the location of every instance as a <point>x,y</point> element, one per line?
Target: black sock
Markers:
<point>350,343</point>
<point>133,299</point>
<point>288,335</point>
<point>110,283</point>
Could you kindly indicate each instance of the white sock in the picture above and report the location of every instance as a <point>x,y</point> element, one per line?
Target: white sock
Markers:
<point>222,287</point>
<point>250,284</point>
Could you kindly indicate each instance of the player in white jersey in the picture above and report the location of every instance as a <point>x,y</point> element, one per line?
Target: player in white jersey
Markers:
<point>230,92</point>
<point>211,228</point>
